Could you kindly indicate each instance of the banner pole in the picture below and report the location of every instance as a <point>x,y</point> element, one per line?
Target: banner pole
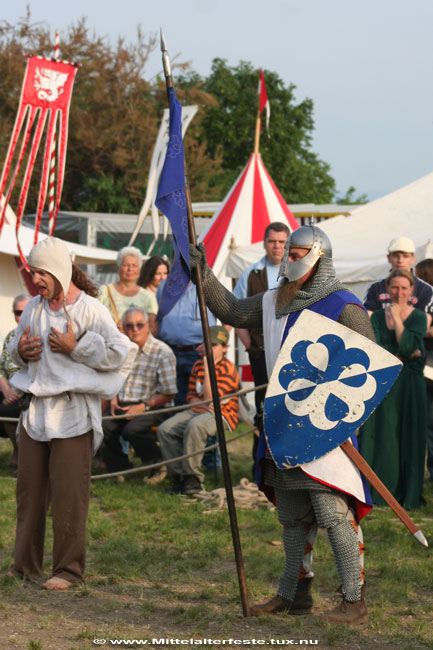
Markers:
<point>212,375</point>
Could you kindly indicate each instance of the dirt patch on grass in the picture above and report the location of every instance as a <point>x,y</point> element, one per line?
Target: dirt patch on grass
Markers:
<point>97,614</point>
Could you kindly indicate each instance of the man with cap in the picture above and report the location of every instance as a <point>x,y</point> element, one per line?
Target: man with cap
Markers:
<point>401,255</point>
<point>304,501</point>
<point>70,353</point>
<point>187,431</point>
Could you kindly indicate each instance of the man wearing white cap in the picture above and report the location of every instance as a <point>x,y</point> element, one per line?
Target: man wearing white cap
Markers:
<point>70,353</point>
<point>401,255</point>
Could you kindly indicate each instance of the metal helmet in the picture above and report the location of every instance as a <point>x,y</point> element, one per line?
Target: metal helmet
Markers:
<point>310,237</point>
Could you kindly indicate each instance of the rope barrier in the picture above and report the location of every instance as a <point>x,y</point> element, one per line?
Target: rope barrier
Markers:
<point>142,468</point>
<point>169,409</point>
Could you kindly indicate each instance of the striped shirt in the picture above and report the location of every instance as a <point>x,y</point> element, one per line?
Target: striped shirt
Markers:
<point>227,381</point>
<point>153,371</point>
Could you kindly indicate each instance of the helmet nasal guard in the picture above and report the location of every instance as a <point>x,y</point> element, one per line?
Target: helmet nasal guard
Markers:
<point>310,237</point>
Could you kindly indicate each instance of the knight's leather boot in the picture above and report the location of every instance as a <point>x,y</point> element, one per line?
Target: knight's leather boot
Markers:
<point>303,600</point>
<point>276,604</point>
<point>349,613</point>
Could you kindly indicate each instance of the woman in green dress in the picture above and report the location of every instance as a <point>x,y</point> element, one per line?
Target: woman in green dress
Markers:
<point>393,440</point>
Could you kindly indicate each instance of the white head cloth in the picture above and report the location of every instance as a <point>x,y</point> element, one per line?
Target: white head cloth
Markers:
<point>52,255</point>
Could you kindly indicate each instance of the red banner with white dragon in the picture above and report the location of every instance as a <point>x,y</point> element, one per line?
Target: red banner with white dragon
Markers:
<point>42,116</point>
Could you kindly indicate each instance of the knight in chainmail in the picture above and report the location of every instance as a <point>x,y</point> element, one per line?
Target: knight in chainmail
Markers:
<point>303,503</point>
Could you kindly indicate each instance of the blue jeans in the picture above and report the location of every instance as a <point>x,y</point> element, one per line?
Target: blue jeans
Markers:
<point>185,359</point>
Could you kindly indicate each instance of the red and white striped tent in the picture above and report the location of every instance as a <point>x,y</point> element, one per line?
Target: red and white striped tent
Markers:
<point>252,204</point>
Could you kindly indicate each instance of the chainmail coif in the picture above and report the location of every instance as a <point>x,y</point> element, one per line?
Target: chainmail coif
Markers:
<point>247,313</point>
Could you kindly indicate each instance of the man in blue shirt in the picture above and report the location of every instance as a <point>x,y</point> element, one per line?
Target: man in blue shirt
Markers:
<point>257,278</point>
<point>181,329</point>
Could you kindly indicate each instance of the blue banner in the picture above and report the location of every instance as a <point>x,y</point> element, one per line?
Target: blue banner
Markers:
<point>171,200</point>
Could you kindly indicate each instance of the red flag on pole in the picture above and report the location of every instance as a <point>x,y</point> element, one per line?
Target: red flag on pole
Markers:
<point>263,99</point>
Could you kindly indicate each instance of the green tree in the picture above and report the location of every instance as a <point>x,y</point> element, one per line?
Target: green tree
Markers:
<point>116,111</point>
<point>114,117</point>
<point>350,199</point>
<point>229,123</point>
<point>114,120</point>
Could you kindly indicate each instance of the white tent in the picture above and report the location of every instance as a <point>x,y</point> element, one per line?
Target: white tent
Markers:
<point>250,206</point>
<point>252,203</point>
<point>11,280</point>
<point>360,241</point>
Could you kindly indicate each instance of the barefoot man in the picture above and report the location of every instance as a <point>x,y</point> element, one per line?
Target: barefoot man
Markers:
<point>70,353</point>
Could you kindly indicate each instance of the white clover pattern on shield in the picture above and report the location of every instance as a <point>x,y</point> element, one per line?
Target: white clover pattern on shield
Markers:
<point>327,388</point>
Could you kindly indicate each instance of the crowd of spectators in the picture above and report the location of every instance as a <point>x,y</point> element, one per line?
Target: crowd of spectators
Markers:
<point>149,366</point>
<point>165,365</point>
<point>170,369</point>
<point>395,437</point>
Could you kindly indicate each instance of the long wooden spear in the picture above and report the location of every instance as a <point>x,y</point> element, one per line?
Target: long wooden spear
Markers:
<point>212,374</point>
<point>386,495</point>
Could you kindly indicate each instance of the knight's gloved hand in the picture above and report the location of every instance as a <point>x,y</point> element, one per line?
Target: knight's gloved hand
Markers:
<point>197,257</point>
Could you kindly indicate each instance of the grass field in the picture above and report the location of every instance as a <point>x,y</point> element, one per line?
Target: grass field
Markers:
<point>161,570</point>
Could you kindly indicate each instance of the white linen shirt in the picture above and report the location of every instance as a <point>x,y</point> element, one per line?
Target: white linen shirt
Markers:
<point>67,388</point>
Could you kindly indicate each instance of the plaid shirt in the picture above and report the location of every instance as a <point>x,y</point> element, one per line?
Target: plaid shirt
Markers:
<point>7,366</point>
<point>153,371</point>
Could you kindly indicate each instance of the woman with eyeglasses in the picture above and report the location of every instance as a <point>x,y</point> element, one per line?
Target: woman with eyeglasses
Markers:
<point>124,294</point>
<point>10,399</point>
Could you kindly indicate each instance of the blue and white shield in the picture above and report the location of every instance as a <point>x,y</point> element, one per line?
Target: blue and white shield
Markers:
<point>326,382</point>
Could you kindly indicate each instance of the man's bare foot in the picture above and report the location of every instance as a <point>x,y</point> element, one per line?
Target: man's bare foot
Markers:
<point>57,584</point>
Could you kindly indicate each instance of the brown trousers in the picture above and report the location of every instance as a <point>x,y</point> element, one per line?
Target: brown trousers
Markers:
<point>56,472</point>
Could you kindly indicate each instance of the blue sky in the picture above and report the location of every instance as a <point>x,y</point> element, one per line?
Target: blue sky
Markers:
<point>366,66</point>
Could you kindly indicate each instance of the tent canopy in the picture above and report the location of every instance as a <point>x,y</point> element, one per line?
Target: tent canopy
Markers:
<point>11,281</point>
<point>250,206</point>
<point>81,254</point>
<point>360,241</point>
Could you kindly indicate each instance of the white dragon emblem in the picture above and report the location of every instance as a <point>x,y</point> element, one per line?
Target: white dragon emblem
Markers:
<point>49,83</point>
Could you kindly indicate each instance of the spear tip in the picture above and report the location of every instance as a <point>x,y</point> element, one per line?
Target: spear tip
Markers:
<point>165,57</point>
<point>420,538</point>
<point>163,42</point>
